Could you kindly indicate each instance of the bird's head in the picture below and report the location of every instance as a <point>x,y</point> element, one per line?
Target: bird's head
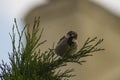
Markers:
<point>71,35</point>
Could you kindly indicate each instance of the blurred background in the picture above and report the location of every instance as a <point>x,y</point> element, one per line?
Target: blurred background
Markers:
<point>89,18</point>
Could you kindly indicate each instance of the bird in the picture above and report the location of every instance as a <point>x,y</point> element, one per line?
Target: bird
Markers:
<point>67,45</point>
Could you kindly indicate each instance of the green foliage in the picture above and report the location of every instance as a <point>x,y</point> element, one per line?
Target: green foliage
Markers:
<point>27,62</point>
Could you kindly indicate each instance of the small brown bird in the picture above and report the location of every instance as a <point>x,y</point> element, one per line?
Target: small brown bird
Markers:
<point>67,45</point>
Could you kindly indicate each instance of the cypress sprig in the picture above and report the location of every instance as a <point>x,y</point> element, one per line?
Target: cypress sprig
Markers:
<point>27,62</point>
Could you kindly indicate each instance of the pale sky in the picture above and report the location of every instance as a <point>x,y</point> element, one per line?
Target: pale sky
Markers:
<point>112,5</point>
<point>10,9</point>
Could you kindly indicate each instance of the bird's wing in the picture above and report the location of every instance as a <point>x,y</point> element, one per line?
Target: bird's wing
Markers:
<point>61,39</point>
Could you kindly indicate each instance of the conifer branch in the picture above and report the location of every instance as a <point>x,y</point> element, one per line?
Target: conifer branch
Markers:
<point>27,62</point>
